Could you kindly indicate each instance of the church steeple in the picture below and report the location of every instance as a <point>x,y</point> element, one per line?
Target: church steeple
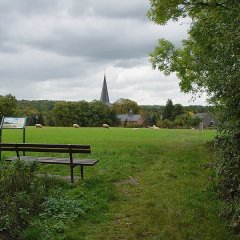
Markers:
<point>104,95</point>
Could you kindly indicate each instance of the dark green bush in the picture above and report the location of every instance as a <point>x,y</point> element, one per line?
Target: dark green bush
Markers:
<point>228,169</point>
<point>134,125</point>
<point>21,196</point>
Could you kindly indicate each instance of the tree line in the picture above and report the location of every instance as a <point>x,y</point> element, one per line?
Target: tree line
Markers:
<point>95,113</point>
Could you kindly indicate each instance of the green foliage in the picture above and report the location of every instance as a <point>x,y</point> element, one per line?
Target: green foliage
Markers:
<point>83,113</point>
<point>178,110</point>
<point>21,194</point>
<point>32,109</point>
<point>163,56</point>
<point>151,114</point>
<point>181,121</point>
<point>72,205</point>
<point>124,106</point>
<point>133,125</point>
<point>208,61</point>
<point>61,208</point>
<point>62,113</point>
<point>56,214</point>
<point>44,109</point>
<point>8,105</point>
<point>168,112</point>
<point>197,108</point>
<point>187,120</point>
<point>40,119</point>
<point>99,113</point>
<point>201,63</point>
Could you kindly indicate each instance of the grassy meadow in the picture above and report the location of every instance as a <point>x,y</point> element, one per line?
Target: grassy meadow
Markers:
<point>148,184</point>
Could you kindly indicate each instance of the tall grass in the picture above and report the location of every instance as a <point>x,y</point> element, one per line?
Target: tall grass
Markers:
<point>147,185</point>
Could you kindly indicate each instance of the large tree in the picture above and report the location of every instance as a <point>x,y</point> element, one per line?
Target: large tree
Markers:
<point>168,110</point>
<point>8,105</point>
<point>209,60</point>
<point>124,106</point>
<point>178,110</point>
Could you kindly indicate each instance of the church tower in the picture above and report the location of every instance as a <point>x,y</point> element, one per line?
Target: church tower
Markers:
<point>104,95</point>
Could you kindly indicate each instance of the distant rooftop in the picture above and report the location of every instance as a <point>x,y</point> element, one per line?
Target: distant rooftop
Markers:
<point>129,118</point>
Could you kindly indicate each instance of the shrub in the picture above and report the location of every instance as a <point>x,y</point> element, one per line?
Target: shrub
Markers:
<point>134,125</point>
<point>21,196</point>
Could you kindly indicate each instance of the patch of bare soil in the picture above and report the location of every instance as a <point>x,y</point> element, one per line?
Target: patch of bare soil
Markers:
<point>131,181</point>
<point>67,178</point>
<point>4,236</point>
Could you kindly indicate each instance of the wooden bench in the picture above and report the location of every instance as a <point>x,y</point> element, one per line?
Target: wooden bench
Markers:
<point>51,148</point>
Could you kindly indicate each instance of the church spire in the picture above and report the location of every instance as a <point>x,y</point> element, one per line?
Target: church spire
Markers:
<point>104,95</point>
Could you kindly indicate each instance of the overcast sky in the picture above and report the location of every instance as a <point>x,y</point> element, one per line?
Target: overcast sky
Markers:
<point>60,49</point>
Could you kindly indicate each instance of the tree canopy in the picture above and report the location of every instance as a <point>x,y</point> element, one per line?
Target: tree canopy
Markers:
<point>8,105</point>
<point>211,53</point>
<point>123,106</point>
<point>168,110</point>
<point>84,113</point>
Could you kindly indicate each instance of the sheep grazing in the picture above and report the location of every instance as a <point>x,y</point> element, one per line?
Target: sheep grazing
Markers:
<point>38,125</point>
<point>75,126</point>
<point>105,126</point>
<point>154,127</point>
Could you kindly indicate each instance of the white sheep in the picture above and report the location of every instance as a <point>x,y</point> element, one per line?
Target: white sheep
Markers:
<point>154,127</point>
<point>105,125</point>
<point>38,125</point>
<point>75,125</point>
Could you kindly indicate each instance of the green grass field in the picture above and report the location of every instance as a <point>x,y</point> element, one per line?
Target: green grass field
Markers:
<point>148,184</point>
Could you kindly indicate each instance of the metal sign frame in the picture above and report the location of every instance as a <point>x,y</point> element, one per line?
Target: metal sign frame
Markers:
<point>13,123</point>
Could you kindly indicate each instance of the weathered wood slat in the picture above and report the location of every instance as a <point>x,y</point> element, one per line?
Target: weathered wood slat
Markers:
<point>51,160</point>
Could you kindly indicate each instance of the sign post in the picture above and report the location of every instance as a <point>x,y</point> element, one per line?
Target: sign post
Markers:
<point>13,123</point>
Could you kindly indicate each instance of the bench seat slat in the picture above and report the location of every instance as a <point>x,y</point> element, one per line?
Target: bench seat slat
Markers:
<point>50,160</point>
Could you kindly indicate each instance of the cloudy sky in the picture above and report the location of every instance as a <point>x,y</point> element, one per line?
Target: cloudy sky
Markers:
<point>60,49</point>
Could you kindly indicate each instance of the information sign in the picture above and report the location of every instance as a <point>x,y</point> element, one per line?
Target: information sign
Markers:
<point>10,122</point>
<point>13,123</point>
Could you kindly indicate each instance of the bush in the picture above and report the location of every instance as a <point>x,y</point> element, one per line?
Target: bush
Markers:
<point>134,125</point>
<point>228,165</point>
<point>21,196</point>
<point>165,123</point>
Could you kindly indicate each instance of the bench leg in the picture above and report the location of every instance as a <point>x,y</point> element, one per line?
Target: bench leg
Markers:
<point>72,179</point>
<point>81,166</point>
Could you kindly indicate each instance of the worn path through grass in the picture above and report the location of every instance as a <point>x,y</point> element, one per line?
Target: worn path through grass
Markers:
<point>169,197</point>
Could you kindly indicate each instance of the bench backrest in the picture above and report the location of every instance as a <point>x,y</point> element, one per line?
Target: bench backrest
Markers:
<point>38,147</point>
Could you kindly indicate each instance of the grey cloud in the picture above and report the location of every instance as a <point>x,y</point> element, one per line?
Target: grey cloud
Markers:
<point>41,66</point>
<point>58,49</point>
<point>106,40</point>
<point>89,36</point>
<point>28,7</point>
<point>77,8</point>
<point>123,9</point>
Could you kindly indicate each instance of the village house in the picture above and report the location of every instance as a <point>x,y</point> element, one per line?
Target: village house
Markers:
<point>130,118</point>
<point>207,119</point>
